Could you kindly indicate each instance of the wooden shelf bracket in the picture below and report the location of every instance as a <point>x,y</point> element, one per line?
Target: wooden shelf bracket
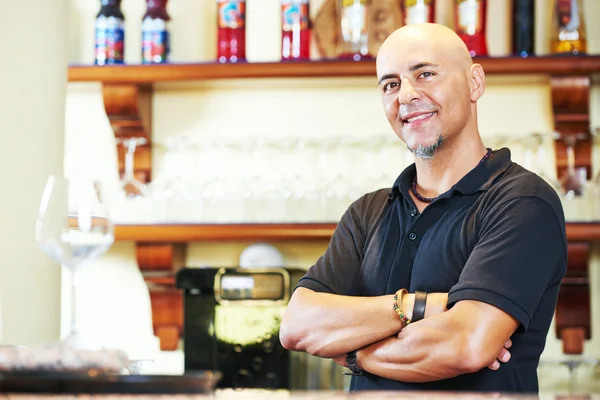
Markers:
<point>129,110</point>
<point>159,262</point>
<point>573,319</point>
<point>570,105</point>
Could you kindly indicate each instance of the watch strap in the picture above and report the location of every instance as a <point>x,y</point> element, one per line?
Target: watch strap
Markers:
<point>419,306</point>
<point>352,365</point>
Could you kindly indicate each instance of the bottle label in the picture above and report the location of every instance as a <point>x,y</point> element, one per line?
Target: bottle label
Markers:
<point>155,40</point>
<point>416,11</point>
<point>568,14</point>
<point>470,16</point>
<point>232,13</point>
<point>110,40</point>
<point>294,14</point>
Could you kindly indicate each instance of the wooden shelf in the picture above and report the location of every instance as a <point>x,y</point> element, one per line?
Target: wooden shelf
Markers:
<point>197,233</point>
<point>147,74</point>
<point>581,231</point>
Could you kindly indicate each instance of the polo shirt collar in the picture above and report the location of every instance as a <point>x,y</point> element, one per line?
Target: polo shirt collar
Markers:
<point>482,177</point>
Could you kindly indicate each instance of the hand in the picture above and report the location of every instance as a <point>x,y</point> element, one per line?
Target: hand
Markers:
<point>503,356</point>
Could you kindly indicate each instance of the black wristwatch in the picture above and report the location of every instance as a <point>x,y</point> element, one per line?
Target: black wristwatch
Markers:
<point>352,365</point>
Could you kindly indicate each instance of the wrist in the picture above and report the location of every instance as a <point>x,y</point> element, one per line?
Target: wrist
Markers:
<point>436,304</point>
<point>408,302</point>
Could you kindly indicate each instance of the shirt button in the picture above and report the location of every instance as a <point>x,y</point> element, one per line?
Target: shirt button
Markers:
<point>413,213</point>
<point>412,236</point>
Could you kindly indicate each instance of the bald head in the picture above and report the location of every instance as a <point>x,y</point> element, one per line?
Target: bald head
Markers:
<point>425,41</point>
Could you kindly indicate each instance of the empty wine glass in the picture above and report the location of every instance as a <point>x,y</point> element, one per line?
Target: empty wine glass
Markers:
<point>132,187</point>
<point>73,227</point>
<point>572,182</point>
<point>575,193</point>
<point>543,158</point>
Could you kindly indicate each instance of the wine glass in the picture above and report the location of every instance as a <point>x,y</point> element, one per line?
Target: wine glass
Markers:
<point>73,227</point>
<point>574,182</point>
<point>132,187</point>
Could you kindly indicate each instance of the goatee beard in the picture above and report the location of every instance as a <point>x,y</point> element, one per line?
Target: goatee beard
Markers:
<point>427,152</point>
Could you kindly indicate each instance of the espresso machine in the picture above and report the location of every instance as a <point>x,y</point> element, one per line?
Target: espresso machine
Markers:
<point>231,324</point>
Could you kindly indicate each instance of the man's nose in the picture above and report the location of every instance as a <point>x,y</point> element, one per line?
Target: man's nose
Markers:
<point>408,93</point>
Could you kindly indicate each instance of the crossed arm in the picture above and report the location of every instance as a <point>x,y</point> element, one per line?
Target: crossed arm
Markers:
<point>446,343</point>
<point>466,338</point>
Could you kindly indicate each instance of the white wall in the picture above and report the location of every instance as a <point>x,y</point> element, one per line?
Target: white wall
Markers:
<point>241,108</point>
<point>32,109</point>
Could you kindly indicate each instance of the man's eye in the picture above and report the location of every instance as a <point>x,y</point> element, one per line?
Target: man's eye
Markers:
<point>389,86</point>
<point>426,74</point>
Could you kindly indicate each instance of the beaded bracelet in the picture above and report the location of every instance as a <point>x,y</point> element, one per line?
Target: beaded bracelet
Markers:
<point>398,308</point>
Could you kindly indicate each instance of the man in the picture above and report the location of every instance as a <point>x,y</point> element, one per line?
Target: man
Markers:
<point>482,236</point>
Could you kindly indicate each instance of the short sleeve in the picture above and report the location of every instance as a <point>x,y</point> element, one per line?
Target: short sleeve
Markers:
<point>337,270</point>
<point>521,252</point>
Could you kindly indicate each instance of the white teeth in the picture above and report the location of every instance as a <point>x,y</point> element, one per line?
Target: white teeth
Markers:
<point>422,116</point>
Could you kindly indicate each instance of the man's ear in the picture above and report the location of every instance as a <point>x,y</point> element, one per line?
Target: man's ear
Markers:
<point>476,82</point>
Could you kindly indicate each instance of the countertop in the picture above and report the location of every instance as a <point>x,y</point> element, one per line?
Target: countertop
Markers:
<point>284,395</point>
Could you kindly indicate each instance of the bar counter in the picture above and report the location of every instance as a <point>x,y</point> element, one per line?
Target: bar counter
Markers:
<point>320,395</point>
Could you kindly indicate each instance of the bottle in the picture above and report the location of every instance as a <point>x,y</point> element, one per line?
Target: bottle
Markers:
<point>523,27</point>
<point>110,33</point>
<point>295,30</point>
<point>418,11</point>
<point>231,36</point>
<point>470,21</point>
<point>568,34</point>
<point>155,33</point>
<point>354,29</point>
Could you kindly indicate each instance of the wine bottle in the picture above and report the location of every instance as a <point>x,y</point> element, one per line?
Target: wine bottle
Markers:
<point>523,27</point>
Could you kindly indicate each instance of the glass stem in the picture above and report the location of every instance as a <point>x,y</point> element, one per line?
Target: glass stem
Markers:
<point>74,282</point>
<point>570,158</point>
<point>570,150</point>
<point>572,379</point>
<point>130,144</point>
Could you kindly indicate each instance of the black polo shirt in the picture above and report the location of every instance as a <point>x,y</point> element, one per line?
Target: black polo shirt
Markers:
<point>497,236</point>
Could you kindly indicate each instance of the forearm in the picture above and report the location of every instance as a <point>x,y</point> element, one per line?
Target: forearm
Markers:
<point>436,348</point>
<point>329,325</point>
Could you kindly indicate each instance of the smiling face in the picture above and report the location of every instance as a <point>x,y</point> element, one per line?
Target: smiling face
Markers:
<point>425,79</point>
